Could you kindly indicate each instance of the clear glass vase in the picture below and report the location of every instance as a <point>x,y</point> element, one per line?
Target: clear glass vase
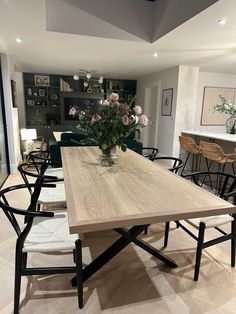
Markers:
<point>231,125</point>
<point>108,157</point>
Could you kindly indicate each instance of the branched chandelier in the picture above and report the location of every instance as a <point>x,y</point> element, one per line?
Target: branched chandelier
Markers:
<point>87,76</point>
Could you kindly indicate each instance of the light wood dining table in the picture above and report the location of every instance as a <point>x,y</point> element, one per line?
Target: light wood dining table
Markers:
<point>127,198</point>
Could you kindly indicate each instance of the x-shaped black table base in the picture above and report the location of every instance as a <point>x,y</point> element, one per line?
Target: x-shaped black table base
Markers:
<point>127,236</point>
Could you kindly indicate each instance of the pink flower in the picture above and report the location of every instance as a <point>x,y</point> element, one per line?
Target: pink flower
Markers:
<point>143,120</point>
<point>125,120</point>
<point>96,118</point>
<point>114,97</point>
<point>137,109</point>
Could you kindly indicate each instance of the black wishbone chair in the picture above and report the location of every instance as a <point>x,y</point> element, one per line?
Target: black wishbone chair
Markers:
<point>149,152</point>
<point>43,157</point>
<point>47,197</point>
<point>225,188</point>
<point>40,234</point>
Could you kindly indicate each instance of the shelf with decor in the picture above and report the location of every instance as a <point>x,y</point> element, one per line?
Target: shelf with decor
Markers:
<point>125,88</point>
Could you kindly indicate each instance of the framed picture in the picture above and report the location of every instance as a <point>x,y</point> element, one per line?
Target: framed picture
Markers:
<point>210,98</point>
<point>167,98</point>
<point>42,93</point>
<point>13,93</point>
<point>42,80</point>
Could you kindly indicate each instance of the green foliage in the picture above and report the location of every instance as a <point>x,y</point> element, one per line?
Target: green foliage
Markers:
<point>226,106</point>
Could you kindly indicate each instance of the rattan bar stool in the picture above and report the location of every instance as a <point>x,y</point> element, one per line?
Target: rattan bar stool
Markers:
<point>189,145</point>
<point>214,153</point>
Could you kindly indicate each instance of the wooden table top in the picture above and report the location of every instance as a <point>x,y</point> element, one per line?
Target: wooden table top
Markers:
<point>135,191</point>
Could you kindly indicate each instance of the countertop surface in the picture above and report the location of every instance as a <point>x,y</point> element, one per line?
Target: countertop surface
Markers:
<point>220,136</point>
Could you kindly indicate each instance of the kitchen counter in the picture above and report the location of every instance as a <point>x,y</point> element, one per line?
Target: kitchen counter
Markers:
<point>213,135</point>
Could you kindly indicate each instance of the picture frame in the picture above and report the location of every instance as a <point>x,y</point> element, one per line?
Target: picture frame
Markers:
<point>42,93</point>
<point>42,80</point>
<point>166,105</point>
<point>13,93</point>
<point>210,98</point>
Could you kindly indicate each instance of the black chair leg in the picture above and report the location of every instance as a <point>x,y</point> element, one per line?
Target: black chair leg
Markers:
<point>146,230</point>
<point>79,272</point>
<point>167,227</point>
<point>18,265</point>
<point>233,241</point>
<point>24,260</point>
<point>199,250</point>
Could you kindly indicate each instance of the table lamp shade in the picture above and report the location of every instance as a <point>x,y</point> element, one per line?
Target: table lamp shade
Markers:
<point>28,134</point>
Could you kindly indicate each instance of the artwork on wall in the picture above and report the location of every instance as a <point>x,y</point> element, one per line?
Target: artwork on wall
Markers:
<point>42,80</point>
<point>211,98</point>
<point>166,106</point>
<point>13,93</point>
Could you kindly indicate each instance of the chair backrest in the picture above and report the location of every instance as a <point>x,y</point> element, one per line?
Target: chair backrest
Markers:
<point>39,177</point>
<point>189,145</point>
<point>220,183</point>
<point>40,157</point>
<point>150,152</point>
<point>6,198</point>
<point>176,163</point>
<point>212,151</point>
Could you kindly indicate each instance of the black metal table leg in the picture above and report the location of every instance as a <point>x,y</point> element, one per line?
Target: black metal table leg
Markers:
<point>147,247</point>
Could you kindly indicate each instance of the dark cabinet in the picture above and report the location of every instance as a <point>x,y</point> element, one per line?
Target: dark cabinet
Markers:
<point>46,96</point>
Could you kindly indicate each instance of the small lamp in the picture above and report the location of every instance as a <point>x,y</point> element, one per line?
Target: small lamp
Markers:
<point>28,135</point>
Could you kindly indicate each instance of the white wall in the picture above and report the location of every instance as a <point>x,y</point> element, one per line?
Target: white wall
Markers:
<point>186,103</point>
<point>165,124</point>
<point>11,114</point>
<point>213,80</point>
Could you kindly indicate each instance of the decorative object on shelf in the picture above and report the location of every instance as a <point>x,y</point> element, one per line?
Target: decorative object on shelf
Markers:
<point>53,96</point>
<point>111,125</point>
<point>227,107</point>
<point>166,106</point>
<point>42,80</point>
<point>42,93</point>
<point>64,86</point>
<point>29,91</point>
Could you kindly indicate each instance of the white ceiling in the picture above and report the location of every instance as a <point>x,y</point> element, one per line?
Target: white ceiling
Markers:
<point>200,41</point>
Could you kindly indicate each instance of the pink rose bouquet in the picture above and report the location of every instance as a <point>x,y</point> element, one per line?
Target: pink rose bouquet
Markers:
<point>112,124</point>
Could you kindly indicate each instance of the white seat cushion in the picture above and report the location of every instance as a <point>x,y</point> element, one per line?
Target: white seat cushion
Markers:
<point>53,195</point>
<point>57,172</point>
<point>211,221</point>
<point>50,235</point>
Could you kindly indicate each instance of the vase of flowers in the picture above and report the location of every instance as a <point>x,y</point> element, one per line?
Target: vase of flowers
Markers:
<point>110,126</point>
<point>229,108</point>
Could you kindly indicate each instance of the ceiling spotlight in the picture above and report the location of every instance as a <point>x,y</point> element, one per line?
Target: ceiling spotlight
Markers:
<point>18,40</point>
<point>88,75</point>
<point>100,80</point>
<point>222,22</point>
<point>155,54</point>
<point>85,84</point>
<point>76,77</point>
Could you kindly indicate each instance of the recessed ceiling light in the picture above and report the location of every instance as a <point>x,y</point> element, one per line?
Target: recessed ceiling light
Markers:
<point>18,40</point>
<point>222,22</point>
<point>155,55</point>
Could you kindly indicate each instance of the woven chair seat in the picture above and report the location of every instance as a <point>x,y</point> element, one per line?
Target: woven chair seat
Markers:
<point>57,172</point>
<point>51,196</point>
<point>50,235</point>
<point>211,221</point>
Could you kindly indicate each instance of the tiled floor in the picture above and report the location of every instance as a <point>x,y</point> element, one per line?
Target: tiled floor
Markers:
<point>133,282</point>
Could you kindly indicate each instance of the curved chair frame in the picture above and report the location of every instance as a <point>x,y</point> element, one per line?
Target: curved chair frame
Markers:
<point>31,213</point>
<point>226,190</point>
<point>153,152</point>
